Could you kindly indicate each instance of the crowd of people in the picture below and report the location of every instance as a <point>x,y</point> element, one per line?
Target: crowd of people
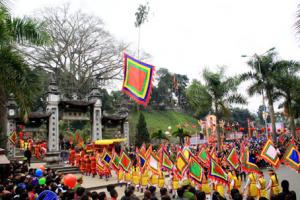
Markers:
<point>20,183</point>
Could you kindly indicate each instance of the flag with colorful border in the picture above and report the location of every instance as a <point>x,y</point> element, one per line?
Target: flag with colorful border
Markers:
<point>195,169</point>
<point>217,173</point>
<point>291,158</point>
<point>248,163</point>
<point>233,159</point>
<point>186,152</point>
<point>269,154</point>
<point>99,164</point>
<point>166,161</point>
<point>181,164</point>
<point>13,138</point>
<point>138,77</point>
<point>115,162</point>
<point>107,158</point>
<point>204,157</point>
<point>142,161</point>
<point>153,163</point>
<point>148,152</point>
<point>125,162</point>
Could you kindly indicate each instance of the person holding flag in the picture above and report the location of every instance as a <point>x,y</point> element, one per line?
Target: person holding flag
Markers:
<point>93,165</point>
<point>72,157</point>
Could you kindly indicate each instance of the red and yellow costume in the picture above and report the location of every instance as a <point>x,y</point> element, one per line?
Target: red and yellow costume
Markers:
<point>88,165</point>
<point>72,157</point>
<point>82,164</point>
<point>77,160</point>
<point>93,165</point>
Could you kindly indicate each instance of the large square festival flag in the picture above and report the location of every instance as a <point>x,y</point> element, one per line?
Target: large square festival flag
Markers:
<point>248,163</point>
<point>217,173</point>
<point>181,164</point>
<point>166,161</point>
<point>125,162</point>
<point>233,159</point>
<point>269,154</point>
<point>138,78</point>
<point>292,158</point>
<point>196,170</point>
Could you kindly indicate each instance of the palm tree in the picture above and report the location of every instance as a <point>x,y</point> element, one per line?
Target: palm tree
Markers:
<point>159,135</point>
<point>222,91</point>
<point>287,82</point>
<point>181,134</point>
<point>15,76</point>
<point>263,69</point>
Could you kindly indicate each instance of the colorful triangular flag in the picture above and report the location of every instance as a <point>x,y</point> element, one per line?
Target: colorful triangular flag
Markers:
<point>269,154</point>
<point>217,173</point>
<point>292,158</point>
<point>142,161</point>
<point>115,162</point>
<point>166,161</point>
<point>233,159</point>
<point>195,169</point>
<point>107,158</point>
<point>154,163</point>
<point>248,163</point>
<point>125,162</point>
<point>181,164</point>
<point>138,78</point>
<point>13,138</point>
<point>204,157</point>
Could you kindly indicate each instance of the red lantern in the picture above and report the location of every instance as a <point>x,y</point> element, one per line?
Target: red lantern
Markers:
<point>21,126</point>
<point>269,129</point>
<point>70,180</point>
<point>242,129</point>
<point>262,129</point>
<point>278,130</point>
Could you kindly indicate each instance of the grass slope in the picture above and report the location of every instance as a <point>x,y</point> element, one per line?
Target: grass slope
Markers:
<point>161,120</point>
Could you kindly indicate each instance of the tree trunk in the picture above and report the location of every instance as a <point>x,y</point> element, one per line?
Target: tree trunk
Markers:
<point>292,125</point>
<point>217,131</point>
<point>3,119</point>
<point>272,115</point>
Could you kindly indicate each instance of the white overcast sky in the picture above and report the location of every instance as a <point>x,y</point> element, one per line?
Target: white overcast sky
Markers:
<point>187,35</point>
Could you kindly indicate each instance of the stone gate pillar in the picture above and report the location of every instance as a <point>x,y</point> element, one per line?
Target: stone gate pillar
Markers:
<point>12,111</point>
<point>53,99</point>
<point>95,97</point>
<point>126,132</point>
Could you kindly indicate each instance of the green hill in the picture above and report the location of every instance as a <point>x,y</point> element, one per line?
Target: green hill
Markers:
<point>161,120</point>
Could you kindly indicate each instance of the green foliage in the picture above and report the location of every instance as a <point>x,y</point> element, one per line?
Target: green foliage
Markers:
<point>161,120</point>
<point>159,135</point>
<point>198,99</point>
<point>141,14</point>
<point>241,116</point>
<point>142,134</point>
<point>181,134</point>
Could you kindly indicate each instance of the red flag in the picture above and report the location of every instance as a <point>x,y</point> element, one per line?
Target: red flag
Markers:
<point>71,139</point>
<point>77,137</point>
<point>13,138</point>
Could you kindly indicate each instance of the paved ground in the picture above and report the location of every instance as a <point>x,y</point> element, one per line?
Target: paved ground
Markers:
<point>284,173</point>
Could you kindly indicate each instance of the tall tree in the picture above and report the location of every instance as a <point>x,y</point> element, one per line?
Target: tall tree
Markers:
<point>220,92</point>
<point>159,135</point>
<point>15,76</point>
<point>198,99</point>
<point>181,134</point>
<point>81,51</point>
<point>287,82</point>
<point>142,134</point>
<point>262,73</point>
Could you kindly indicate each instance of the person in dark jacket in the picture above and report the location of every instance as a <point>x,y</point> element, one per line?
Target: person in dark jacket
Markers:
<point>27,155</point>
